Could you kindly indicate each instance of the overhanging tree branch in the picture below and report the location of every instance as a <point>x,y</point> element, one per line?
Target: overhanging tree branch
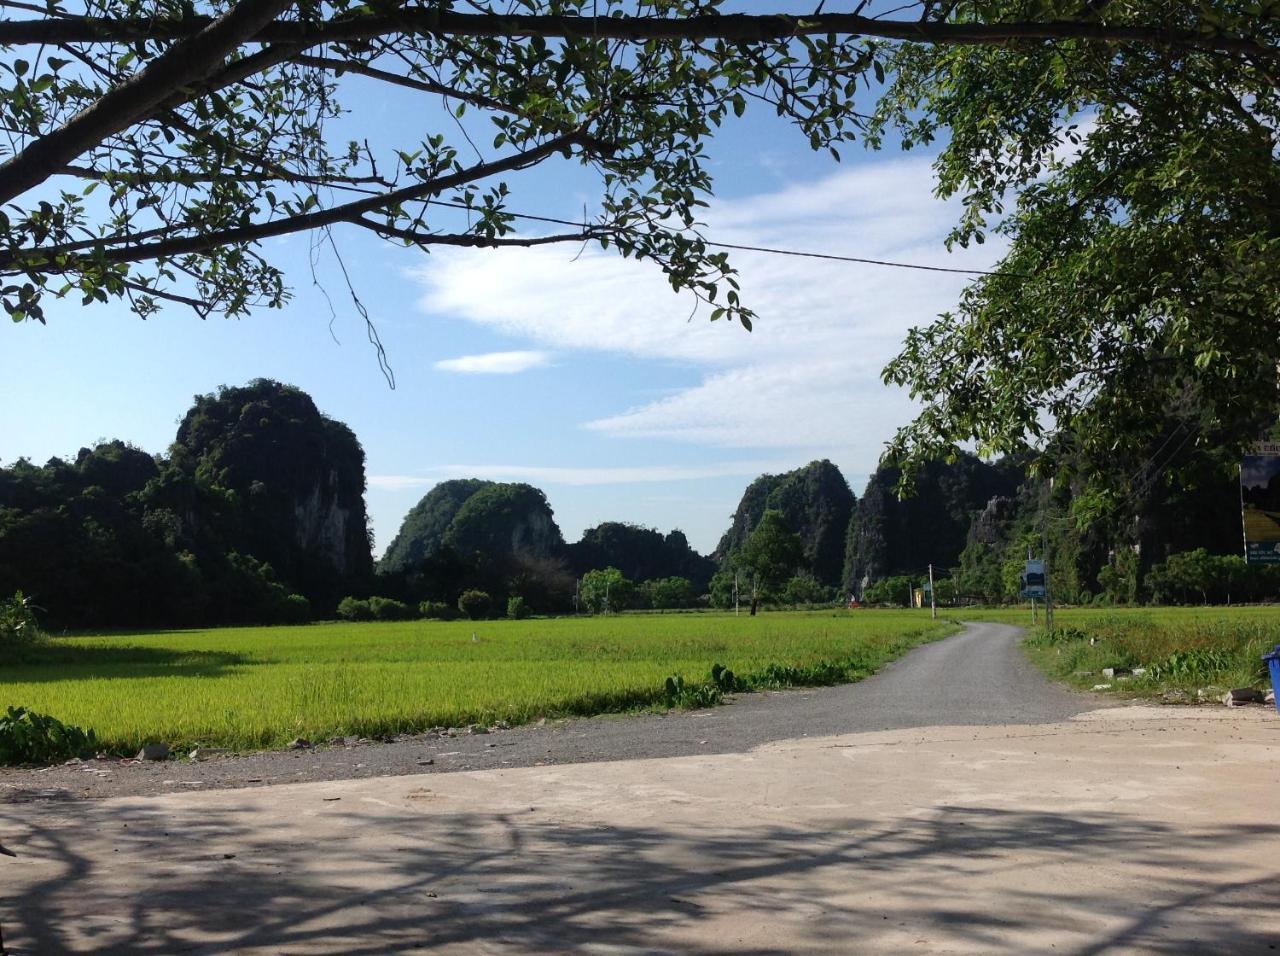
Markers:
<point>47,258</point>
<point>186,62</point>
<point>474,241</point>
<point>732,27</point>
<point>336,65</point>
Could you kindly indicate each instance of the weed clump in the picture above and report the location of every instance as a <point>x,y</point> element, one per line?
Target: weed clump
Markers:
<point>1186,655</point>
<point>19,632</point>
<point>28,737</point>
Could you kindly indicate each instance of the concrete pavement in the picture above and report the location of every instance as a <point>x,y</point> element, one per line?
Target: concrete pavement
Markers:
<point>1117,831</point>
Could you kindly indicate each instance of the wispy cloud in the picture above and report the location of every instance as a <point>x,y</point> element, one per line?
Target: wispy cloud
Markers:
<point>808,377</point>
<point>495,363</point>
<point>568,475</point>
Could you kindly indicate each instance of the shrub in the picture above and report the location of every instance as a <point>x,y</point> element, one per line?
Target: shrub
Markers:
<point>1198,577</point>
<point>690,696</point>
<point>606,590</point>
<point>722,588</point>
<point>354,609</point>
<point>517,608</point>
<point>666,593</point>
<point>389,609</point>
<point>896,590</point>
<point>295,609</point>
<point>27,737</point>
<point>475,604</point>
<point>18,629</point>
<point>804,588</point>
<point>437,611</point>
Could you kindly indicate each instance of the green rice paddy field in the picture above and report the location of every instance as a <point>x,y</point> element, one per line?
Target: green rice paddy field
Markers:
<point>262,686</point>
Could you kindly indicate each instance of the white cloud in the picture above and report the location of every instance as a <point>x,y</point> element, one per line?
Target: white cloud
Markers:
<point>587,475</point>
<point>808,377</point>
<point>495,363</point>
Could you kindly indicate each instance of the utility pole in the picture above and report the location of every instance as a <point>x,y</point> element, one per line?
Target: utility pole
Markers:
<point>933,599</point>
<point>1044,538</point>
<point>1034,619</point>
<point>735,593</point>
<point>1048,595</point>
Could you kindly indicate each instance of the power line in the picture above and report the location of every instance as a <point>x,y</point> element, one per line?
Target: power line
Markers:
<point>869,262</point>
<point>744,248</point>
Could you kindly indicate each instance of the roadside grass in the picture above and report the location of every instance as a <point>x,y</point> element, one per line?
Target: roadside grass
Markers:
<point>1185,651</point>
<point>259,687</point>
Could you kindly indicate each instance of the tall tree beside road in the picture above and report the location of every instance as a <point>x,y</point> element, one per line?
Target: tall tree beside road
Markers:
<point>1138,189</point>
<point>772,553</point>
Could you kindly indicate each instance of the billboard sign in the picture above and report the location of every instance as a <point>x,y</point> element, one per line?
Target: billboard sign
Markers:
<point>1033,585</point>
<point>1260,503</point>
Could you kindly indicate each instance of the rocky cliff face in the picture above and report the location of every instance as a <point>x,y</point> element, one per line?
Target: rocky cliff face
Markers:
<point>990,524</point>
<point>297,476</point>
<point>322,526</point>
<point>891,535</point>
<point>816,504</point>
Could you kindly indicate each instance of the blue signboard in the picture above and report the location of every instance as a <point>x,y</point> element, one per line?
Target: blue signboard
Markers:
<point>1033,580</point>
<point>1260,503</point>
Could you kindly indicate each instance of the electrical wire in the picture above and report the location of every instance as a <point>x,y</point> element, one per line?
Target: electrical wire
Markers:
<point>745,248</point>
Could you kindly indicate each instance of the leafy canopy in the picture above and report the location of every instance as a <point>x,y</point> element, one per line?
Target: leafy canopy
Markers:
<point>1122,150</point>
<point>772,552</point>
<point>1136,190</point>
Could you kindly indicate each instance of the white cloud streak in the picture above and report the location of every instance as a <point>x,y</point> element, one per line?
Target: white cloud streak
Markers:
<point>495,363</point>
<point>808,377</point>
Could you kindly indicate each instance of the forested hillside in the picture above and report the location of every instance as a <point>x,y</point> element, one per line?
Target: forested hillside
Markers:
<point>815,503</point>
<point>256,514</point>
<point>1101,551</point>
<point>892,535</point>
<point>640,554</point>
<point>422,532</point>
<point>502,539</point>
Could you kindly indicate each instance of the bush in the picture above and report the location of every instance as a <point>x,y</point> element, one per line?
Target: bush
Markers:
<point>354,609</point>
<point>606,590</point>
<point>27,737</point>
<point>690,696</point>
<point>18,629</point>
<point>667,593</point>
<point>437,611</point>
<point>722,588</point>
<point>804,588</point>
<point>896,590</point>
<point>475,604</point>
<point>517,608</point>
<point>1198,577</point>
<point>295,609</point>
<point>388,609</point>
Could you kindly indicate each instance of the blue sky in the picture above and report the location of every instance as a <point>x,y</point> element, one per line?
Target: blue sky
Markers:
<point>586,378</point>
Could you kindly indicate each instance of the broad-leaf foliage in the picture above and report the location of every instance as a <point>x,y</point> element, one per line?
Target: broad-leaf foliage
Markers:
<point>1123,149</point>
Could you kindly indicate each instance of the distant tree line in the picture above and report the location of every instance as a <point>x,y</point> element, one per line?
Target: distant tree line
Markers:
<point>256,514</point>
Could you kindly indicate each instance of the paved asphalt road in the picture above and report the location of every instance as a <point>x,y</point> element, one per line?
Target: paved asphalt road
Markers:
<point>977,677</point>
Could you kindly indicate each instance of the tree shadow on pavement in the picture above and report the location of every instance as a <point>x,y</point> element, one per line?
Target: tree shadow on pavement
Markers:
<point>144,879</point>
